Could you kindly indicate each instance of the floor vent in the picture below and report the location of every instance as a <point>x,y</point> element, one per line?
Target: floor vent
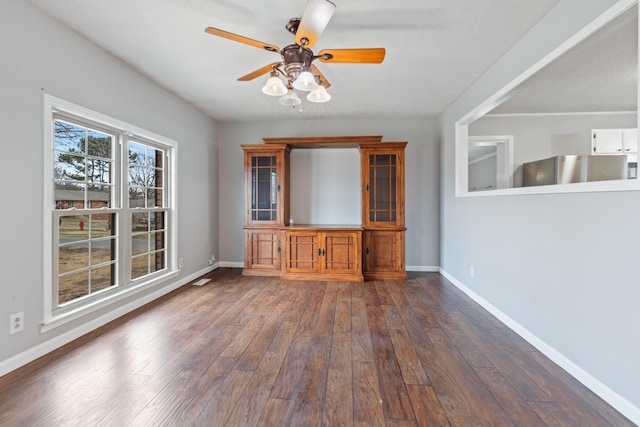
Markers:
<point>201,282</point>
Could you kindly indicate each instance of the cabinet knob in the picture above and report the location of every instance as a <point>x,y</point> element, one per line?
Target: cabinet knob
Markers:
<point>367,251</point>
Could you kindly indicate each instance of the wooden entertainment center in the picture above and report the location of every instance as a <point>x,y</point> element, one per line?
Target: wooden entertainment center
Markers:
<point>372,250</point>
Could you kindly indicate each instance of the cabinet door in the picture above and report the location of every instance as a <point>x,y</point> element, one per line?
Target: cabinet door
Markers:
<point>262,249</point>
<point>266,179</point>
<point>384,252</point>
<point>382,185</point>
<point>302,254</point>
<point>341,254</point>
<point>607,141</point>
<point>630,140</point>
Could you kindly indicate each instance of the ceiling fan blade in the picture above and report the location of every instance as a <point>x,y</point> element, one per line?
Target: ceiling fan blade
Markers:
<point>315,18</point>
<point>258,72</point>
<point>323,80</point>
<point>241,39</point>
<point>360,56</point>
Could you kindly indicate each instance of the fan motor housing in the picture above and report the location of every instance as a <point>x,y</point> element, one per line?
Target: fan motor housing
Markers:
<point>296,58</point>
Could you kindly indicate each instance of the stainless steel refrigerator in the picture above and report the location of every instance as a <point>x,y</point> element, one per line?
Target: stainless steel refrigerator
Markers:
<point>553,170</point>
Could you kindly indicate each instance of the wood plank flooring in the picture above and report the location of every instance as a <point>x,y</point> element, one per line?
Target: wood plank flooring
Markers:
<point>247,351</point>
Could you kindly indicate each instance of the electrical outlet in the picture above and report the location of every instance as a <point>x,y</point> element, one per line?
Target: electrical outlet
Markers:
<point>16,323</point>
<point>213,257</point>
<point>471,272</point>
<point>180,263</point>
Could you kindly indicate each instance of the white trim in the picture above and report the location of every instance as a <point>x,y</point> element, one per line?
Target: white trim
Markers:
<point>461,125</point>
<point>576,187</point>
<point>498,97</point>
<point>48,198</point>
<point>230,264</point>
<point>621,404</point>
<point>40,350</point>
<point>424,268</point>
<point>571,114</point>
<point>504,154</point>
<point>82,310</point>
<point>56,107</point>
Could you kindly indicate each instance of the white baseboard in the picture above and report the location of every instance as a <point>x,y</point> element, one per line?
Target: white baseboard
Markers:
<point>423,268</point>
<point>41,349</point>
<point>230,264</point>
<point>621,404</point>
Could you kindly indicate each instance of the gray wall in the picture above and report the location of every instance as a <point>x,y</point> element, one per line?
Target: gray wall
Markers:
<point>422,180</point>
<point>561,266</point>
<point>483,174</point>
<point>39,54</point>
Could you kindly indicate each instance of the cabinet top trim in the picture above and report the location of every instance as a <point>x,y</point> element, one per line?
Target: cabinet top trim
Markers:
<point>323,227</point>
<point>325,141</point>
<point>383,145</point>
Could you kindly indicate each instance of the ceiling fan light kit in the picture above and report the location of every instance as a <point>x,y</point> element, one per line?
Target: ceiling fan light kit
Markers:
<point>305,82</point>
<point>290,99</point>
<point>319,95</point>
<point>274,87</point>
<point>296,67</point>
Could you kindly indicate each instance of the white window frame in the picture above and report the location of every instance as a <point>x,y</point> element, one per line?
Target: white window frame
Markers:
<point>54,317</point>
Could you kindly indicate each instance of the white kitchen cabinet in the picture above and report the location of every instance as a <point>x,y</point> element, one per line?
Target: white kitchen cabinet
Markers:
<point>614,141</point>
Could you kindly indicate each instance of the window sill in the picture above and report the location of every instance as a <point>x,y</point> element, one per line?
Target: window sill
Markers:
<point>68,316</point>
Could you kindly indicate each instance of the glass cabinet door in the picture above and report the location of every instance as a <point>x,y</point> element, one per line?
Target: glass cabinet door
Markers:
<point>264,188</point>
<point>266,182</point>
<point>382,190</point>
<point>382,184</point>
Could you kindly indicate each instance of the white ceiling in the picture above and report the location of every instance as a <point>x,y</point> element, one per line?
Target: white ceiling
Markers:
<point>435,49</point>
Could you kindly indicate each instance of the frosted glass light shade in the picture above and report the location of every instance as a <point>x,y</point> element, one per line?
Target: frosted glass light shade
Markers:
<point>274,87</point>
<point>305,82</point>
<point>319,95</point>
<point>290,99</point>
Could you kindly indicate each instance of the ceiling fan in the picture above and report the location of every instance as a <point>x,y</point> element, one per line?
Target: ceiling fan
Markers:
<point>296,64</point>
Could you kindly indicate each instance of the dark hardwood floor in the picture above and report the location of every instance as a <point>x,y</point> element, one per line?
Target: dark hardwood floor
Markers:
<point>243,351</point>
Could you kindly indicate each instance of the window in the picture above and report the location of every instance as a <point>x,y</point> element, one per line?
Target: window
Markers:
<point>110,218</point>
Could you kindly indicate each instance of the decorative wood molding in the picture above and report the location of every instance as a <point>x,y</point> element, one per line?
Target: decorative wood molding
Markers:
<point>325,141</point>
<point>386,144</point>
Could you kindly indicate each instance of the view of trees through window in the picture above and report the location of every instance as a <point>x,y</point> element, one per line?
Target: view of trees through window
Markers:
<point>83,182</point>
<point>148,241</point>
<point>87,210</point>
